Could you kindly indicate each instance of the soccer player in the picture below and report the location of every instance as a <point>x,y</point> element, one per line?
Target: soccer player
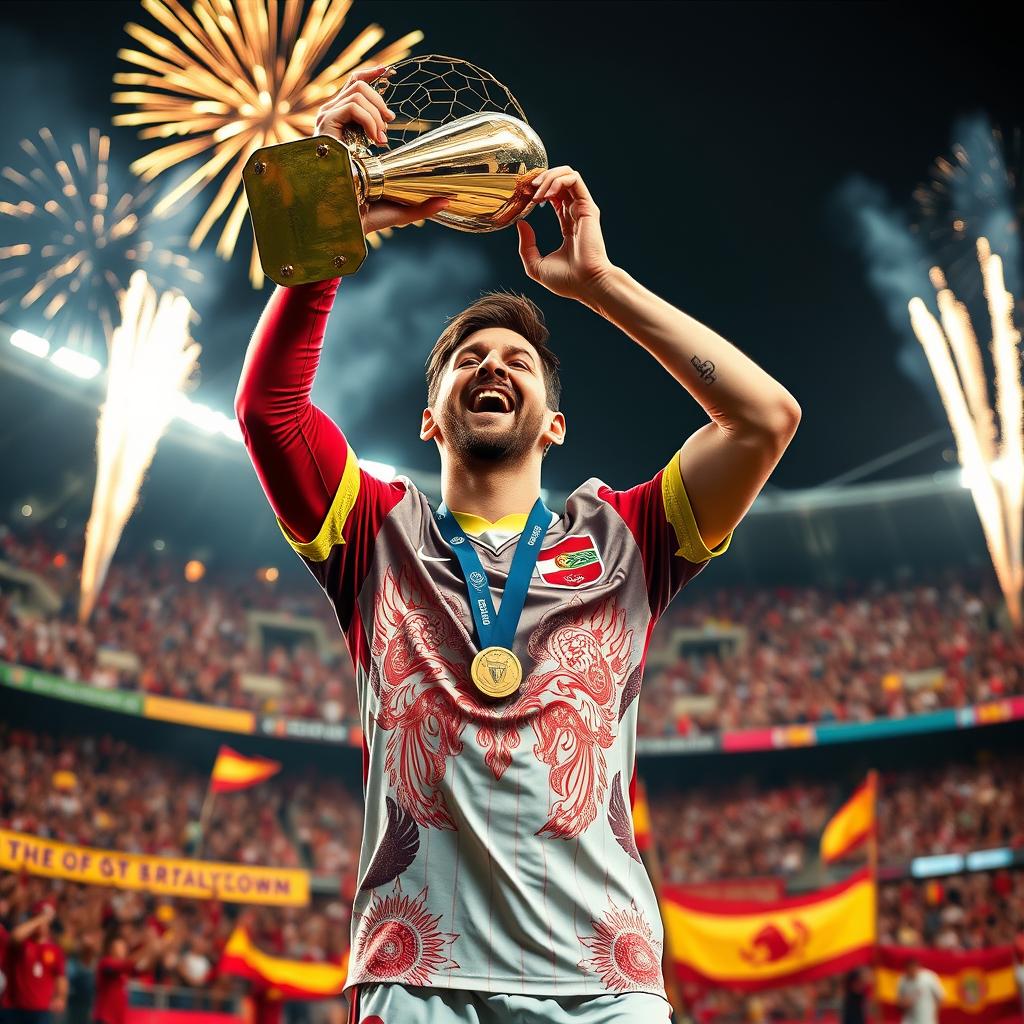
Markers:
<point>499,878</point>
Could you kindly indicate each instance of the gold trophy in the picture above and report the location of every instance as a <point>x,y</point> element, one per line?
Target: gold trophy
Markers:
<point>304,196</point>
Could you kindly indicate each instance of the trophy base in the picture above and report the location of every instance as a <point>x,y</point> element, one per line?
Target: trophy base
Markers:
<point>305,214</point>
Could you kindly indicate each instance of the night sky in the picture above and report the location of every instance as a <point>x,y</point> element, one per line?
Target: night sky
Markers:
<point>716,139</point>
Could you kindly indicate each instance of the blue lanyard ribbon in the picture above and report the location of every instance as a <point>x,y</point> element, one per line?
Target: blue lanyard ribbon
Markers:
<point>497,628</point>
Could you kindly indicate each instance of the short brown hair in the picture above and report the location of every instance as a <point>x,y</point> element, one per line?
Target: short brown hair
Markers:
<point>496,309</point>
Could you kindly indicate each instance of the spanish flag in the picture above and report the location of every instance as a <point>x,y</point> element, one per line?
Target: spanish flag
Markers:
<point>852,823</point>
<point>232,771</point>
<point>641,816</point>
<point>748,945</point>
<point>288,979</point>
<point>978,987</point>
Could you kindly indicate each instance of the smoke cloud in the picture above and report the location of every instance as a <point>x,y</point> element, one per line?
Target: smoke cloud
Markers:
<point>387,317</point>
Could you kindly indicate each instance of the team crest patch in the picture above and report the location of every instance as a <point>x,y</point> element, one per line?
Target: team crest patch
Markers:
<point>572,563</point>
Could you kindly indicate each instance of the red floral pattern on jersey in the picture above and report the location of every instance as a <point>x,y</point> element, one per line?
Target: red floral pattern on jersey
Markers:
<point>398,940</point>
<point>582,661</point>
<point>411,636</point>
<point>421,652</point>
<point>626,953</point>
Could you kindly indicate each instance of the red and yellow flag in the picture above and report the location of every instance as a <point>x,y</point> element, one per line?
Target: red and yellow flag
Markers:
<point>748,945</point>
<point>852,824</point>
<point>233,771</point>
<point>978,987</point>
<point>641,815</point>
<point>287,979</point>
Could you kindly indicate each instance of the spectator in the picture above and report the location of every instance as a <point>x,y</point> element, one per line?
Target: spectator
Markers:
<point>36,966</point>
<point>920,994</point>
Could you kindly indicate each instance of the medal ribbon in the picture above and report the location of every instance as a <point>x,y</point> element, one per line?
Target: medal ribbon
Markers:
<point>497,628</point>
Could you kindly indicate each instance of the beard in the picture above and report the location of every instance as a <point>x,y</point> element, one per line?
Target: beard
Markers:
<point>511,443</point>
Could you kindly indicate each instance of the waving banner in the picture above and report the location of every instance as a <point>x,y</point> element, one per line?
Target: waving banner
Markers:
<point>287,979</point>
<point>978,987</point>
<point>167,876</point>
<point>749,945</point>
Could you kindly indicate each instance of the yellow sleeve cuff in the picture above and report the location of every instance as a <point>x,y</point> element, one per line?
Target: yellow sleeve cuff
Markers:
<point>320,546</point>
<point>680,515</point>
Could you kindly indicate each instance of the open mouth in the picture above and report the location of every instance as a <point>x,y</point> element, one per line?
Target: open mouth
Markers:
<point>489,399</point>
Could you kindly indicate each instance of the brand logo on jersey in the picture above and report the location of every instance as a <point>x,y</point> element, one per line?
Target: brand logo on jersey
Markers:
<point>424,557</point>
<point>572,563</point>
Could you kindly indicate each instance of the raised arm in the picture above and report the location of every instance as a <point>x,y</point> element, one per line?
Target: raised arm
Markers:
<point>298,452</point>
<point>725,463</point>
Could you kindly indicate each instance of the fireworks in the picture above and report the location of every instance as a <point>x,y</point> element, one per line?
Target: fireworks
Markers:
<point>993,468</point>
<point>75,245</point>
<point>973,193</point>
<point>151,358</point>
<point>235,77</point>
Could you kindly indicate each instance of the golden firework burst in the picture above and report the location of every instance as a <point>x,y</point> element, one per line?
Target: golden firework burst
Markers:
<point>236,75</point>
<point>72,247</point>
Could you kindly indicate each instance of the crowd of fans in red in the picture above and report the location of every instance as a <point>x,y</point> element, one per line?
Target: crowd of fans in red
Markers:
<point>732,658</point>
<point>713,831</point>
<point>107,793</point>
<point>110,793</point>
<point>71,949</point>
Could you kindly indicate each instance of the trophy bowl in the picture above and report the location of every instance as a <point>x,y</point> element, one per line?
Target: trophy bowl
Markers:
<point>458,133</point>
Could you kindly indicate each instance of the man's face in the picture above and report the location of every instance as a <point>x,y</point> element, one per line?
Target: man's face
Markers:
<point>491,405</point>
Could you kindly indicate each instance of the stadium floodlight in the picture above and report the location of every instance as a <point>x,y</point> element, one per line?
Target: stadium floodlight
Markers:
<point>940,864</point>
<point>76,363</point>
<point>381,470</point>
<point>989,860</point>
<point>206,418</point>
<point>30,343</point>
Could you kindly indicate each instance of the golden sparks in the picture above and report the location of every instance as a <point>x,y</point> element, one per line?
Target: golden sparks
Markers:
<point>151,359</point>
<point>230,78</point>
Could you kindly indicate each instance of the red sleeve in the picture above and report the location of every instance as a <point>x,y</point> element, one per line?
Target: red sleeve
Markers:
<point>659,515</point>
<point>643,511</point>
<point>328,508</point>
<point>298,451</point>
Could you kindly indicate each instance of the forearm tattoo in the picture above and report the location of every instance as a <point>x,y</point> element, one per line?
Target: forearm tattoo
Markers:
<point>705,369</point>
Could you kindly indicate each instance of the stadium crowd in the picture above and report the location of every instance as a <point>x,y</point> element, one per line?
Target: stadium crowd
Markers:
<point>749,829</point>
<point>98,939</point>
<point>733,658</point>
<point>107,793</point>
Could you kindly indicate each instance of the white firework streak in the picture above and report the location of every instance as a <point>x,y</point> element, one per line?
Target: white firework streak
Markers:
<point>151,358</point>
<point>996,480</point>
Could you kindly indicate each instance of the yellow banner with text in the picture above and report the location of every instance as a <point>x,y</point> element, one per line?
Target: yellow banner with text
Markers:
<point>165,876</point>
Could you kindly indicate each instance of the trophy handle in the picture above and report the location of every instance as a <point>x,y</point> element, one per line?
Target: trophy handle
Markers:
<point>305,211</point>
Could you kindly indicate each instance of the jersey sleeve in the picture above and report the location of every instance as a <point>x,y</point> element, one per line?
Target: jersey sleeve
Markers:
<point>328,509</point>
<point>661,520</point>
<point>339,556</point>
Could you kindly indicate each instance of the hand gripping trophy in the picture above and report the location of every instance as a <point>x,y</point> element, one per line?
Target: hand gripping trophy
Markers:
<point>461,135</point>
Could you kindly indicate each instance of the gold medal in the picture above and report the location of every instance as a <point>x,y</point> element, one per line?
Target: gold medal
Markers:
<point>496,672</point>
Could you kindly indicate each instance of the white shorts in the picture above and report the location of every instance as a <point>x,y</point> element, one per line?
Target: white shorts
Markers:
<point>400,1004</point>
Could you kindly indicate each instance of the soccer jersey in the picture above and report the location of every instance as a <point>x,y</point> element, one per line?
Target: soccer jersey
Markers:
<point>498,851</point>
<point>34,969</point>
